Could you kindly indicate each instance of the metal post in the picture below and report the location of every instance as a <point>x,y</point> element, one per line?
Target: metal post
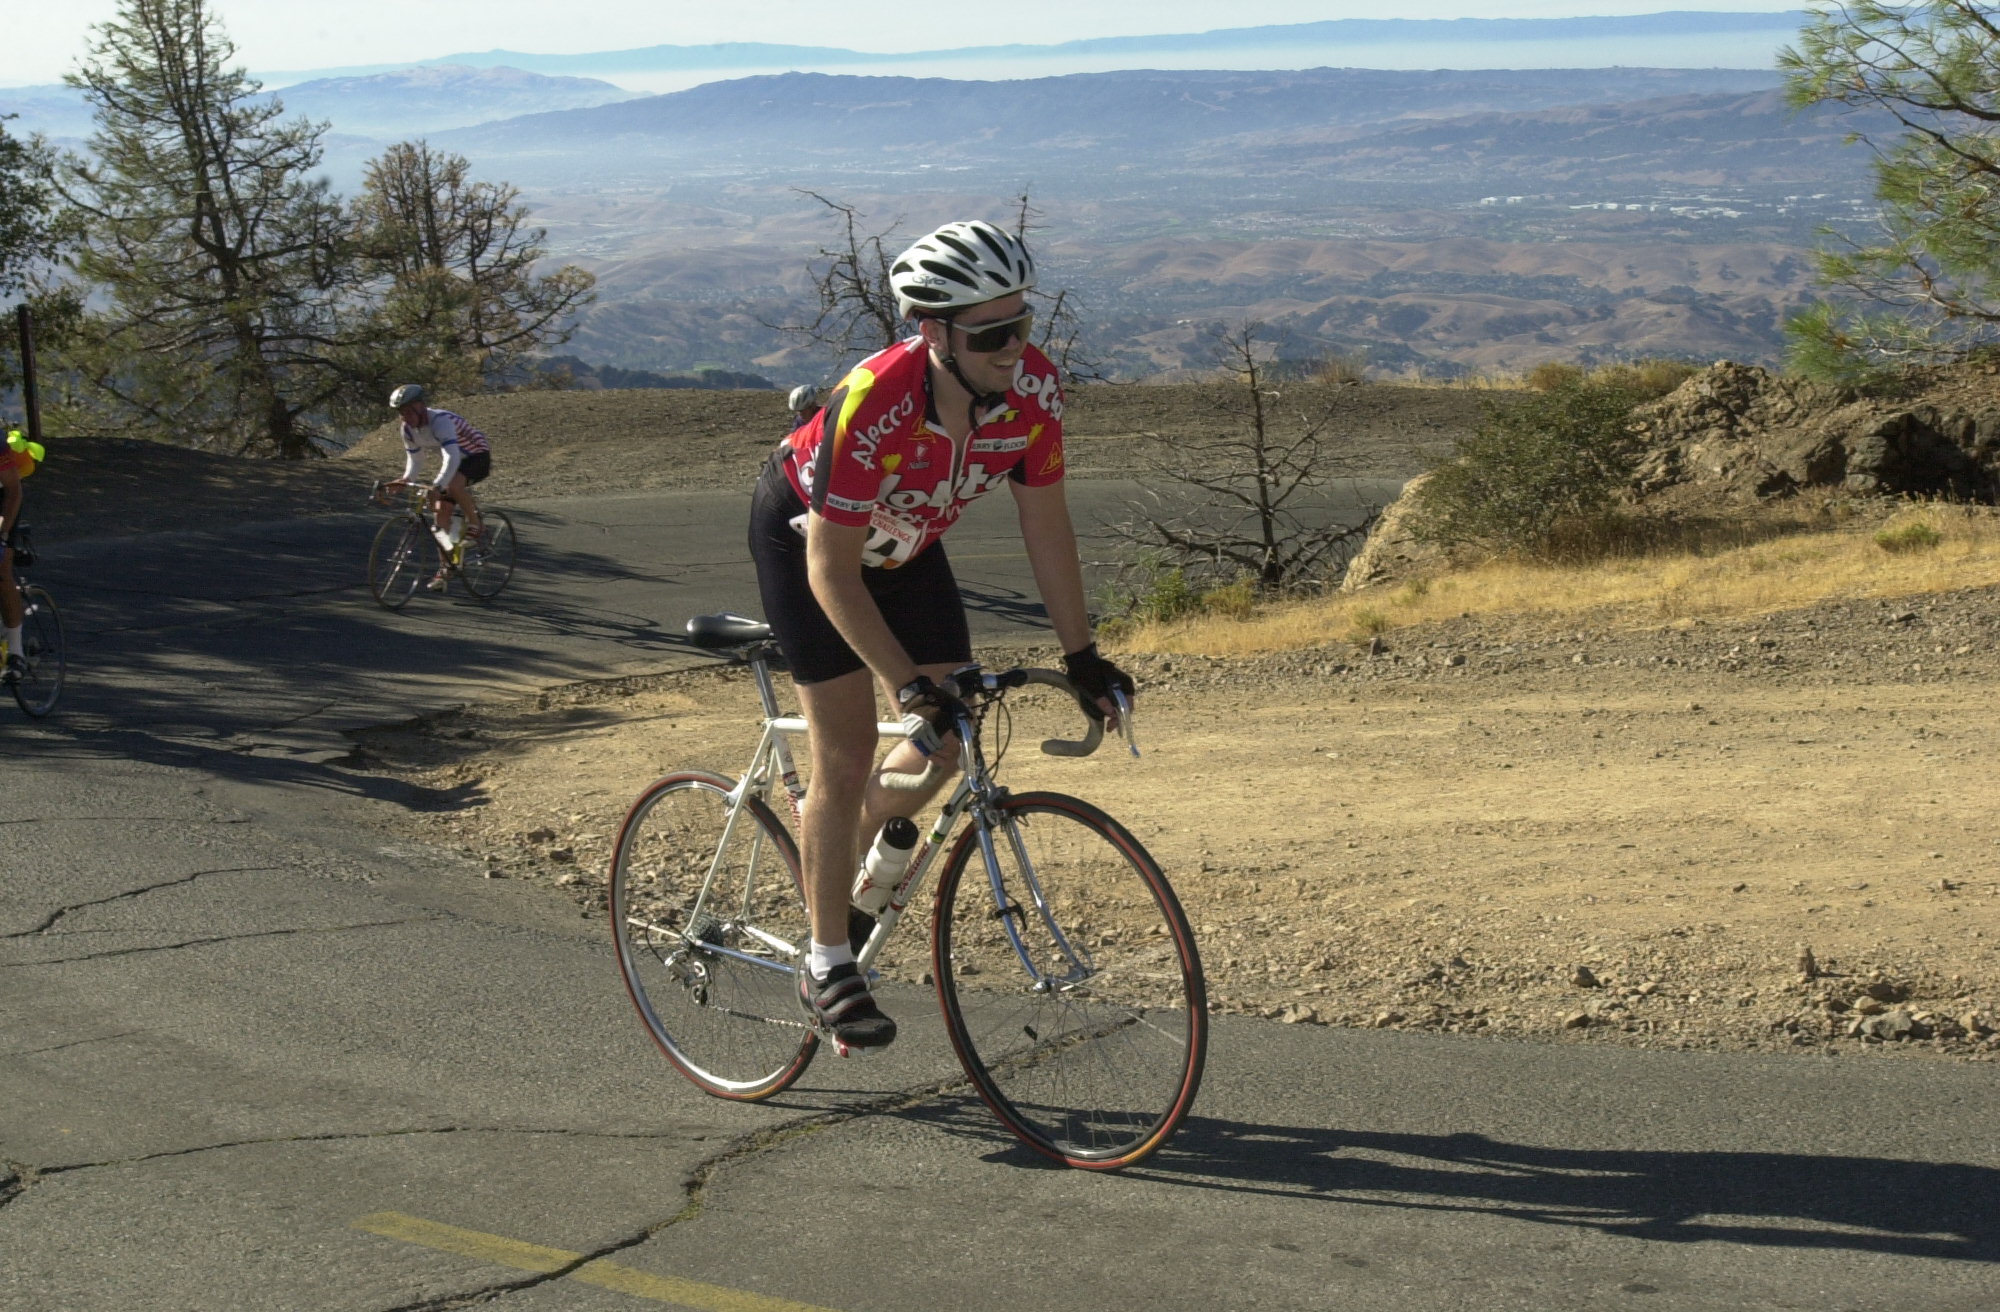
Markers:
<point>29,398</point>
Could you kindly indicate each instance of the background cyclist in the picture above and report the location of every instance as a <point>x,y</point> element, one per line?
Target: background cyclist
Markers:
<point>463,457</point>
<point>10,596</point>
<point>845,529</point>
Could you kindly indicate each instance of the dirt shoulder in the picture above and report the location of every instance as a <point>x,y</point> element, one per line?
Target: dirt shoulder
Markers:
<point>1591,836</point>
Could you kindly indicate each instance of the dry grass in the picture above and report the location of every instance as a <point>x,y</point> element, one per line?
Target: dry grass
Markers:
<point>1716,570</point>
<point>1500,382</point>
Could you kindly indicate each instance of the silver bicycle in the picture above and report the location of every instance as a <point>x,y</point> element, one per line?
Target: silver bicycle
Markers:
<point>1068,975</point>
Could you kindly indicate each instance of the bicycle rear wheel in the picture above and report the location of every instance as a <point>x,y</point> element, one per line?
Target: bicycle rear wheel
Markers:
<point>1077,1007</point>
<point>403,553</point>
<point>42,649</point>
<point>487,562</point>
<point>710,932</point>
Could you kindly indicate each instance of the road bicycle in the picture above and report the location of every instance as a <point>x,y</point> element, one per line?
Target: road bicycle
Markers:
<point>1071,986</point>
<point>407,551</point>
<point>41,637</point>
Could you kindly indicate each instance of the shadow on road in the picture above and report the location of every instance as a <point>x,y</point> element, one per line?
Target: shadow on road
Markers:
<point>225,651</point>
<point>67,744</point>
<point>1778,1200</point>
<point>1009,604</point>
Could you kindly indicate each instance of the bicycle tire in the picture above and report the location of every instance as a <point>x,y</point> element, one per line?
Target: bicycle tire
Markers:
<point>1096,1066</point>
<point>720,1001</point>
<point>38,689</point>
<point>487,562</point>
<point>403,553</point>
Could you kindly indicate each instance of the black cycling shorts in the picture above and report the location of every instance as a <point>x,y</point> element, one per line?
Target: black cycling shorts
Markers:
<point>476,467</point>
<point>918,600</point>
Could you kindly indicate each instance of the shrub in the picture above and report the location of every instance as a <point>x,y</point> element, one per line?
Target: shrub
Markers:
<point>1647,379</point>
<point>1532,469</point>
<point>1155,593</point>
<point>1552,375</point>
<point>1166,597</point>
<point>1367,623</point>
<point>1338,370</point>
<point>1237,601</point>
<point>1915,536</point>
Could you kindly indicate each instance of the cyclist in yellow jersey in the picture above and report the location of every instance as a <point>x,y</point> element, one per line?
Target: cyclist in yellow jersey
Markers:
<point>11,614</point>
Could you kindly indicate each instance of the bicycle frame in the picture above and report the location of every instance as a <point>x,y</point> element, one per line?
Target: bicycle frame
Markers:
<point>975,793</point>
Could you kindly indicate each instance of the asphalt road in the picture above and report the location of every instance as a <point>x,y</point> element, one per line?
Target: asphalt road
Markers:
<point>255,1055</point>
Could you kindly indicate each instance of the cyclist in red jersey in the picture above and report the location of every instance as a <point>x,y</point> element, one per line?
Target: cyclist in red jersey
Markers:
<point>856,586</point>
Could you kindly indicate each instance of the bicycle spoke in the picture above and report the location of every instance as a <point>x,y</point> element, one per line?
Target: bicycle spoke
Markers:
<point>1081,1017</point>
<point>486,563</point>
<point>718,992</point>
<point>399,560</point>
<point>42,650</point>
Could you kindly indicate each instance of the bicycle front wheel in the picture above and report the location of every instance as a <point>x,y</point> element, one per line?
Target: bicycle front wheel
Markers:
<point>1070,982</point>
<point>42,648</point>
<point>711,926</point>
<point>487,562</point>
<point>404,552</point>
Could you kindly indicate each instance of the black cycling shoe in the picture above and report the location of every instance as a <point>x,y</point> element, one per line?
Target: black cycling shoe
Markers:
<point>842,1005</point>
<point>17,670</point>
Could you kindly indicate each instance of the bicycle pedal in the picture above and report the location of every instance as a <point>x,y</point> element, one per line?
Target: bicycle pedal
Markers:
<point>849,1050</point>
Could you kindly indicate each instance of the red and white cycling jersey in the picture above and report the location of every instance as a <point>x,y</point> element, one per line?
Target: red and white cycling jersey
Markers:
<point>873,456</point>
<point>445,433</point>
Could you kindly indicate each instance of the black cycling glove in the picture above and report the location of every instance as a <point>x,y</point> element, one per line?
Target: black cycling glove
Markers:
<point>1096,677</point>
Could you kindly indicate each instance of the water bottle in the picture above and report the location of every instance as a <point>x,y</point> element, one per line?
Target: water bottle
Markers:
<point>885,864</point>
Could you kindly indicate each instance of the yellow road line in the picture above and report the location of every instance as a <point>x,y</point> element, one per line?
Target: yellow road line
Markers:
<point>522,1256</point>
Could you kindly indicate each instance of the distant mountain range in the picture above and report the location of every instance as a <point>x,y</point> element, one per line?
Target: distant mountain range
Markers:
<point>1505,129</point>
<point>436,97</point>
<point>406,102</point>
<point>740,55</point>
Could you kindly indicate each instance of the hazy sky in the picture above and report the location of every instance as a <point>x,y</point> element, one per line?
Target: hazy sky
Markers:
<point>44,39</point>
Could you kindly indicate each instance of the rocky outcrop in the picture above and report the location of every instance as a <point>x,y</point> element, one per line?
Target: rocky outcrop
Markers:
<point>1739,432</point>
<point>1392,551</point>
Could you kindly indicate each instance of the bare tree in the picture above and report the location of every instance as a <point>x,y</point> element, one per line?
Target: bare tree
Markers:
<point>1244,498</point>
<point>856,308</point>
<point>1062,327</point>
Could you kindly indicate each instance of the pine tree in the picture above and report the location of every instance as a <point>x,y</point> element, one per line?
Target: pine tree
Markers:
<point>1923,80</point>
<point>220,258</point>
<point>450,266</point>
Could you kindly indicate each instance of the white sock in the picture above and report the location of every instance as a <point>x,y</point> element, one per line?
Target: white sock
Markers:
<point>14,640</point>
<point>825,957</point>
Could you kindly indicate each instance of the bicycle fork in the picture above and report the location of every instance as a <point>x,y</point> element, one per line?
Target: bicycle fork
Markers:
<point>1014,918</point>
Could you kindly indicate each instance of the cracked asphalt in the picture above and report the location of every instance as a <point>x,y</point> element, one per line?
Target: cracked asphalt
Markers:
<point>255,1055</point>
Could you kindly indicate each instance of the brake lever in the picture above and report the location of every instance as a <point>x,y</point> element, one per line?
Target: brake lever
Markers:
<point>1124,705</point>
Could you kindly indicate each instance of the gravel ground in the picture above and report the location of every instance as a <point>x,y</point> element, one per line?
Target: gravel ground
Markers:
<point>1768,835</point>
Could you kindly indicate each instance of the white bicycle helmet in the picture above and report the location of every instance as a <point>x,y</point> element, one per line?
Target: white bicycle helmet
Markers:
<point>961,264</point>
<point>405,394</point>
